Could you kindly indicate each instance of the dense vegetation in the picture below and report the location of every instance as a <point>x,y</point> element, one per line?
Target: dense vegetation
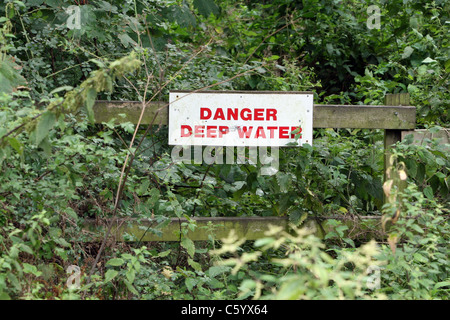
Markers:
<point>58,168</point>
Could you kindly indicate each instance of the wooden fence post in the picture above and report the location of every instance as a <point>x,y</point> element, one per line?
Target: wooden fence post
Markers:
<point>392,136</point>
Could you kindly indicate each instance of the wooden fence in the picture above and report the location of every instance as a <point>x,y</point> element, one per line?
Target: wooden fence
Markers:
<point>395,117</point>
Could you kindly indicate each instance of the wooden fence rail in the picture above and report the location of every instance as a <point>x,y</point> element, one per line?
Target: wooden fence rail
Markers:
<point>392,118</point>
<point>324,116</point>
<point>250,228</point>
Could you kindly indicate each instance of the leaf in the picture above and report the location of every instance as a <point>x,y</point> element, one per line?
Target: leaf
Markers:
<point>131,274</point>
<point>182,15</point>
<point>28,268</point>
<point>291,290</point>
<point>428,192</point>
<point>46,122</point>
<point>297,216</point>
<point>128,127</point>
<point>283,180</point>
<point>46,146</point>
<point>407,52</point>
<point>126,40</point>
<point>34,2</point>
<point>206,7</point>
<point>340,230</point>
<point>130,287</point>
<point>4,296</point>
<point>350,242</point>
<point>195,265</point>
<point>264,242</point>
<point>428,60</point>
<point>16,144</point>
<point>10,77</point>
<point>190,283</point>
<point>189,245</point>
<point>164,253</point>
<point>418,257</point>
<point>447,66</point>
<point>217,270</point>
<point>442,284</point>
<point>110,274</point>
<point>71,213</point>
<point>25,248</point>
<point>64,88</point>
<point>417,228</point>
<point>116,262</point>
<point>91,95</point>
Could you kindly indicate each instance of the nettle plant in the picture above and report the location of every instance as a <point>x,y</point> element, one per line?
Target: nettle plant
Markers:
<point>304,269</point>
<point>416,259</point>
<point>416,222</point>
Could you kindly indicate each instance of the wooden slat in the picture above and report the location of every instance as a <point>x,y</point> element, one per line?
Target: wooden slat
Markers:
<point>364,117</point>
<point>155,112</point>
<point>392,136</point>
<point>324,116</point>
<point>420,135</point>
<point>250,228</point>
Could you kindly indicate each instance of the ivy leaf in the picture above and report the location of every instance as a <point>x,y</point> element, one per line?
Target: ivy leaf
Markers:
<point>45,124</point>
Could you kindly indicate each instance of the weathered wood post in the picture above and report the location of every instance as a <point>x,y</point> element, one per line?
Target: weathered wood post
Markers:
<point>392,136</point>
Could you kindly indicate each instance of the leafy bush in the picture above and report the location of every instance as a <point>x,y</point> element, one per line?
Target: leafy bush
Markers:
<point>58,168</point>
<point>304,269</point>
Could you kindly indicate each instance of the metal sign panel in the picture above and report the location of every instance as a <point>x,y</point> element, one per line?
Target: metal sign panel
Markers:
<point>235,118</point>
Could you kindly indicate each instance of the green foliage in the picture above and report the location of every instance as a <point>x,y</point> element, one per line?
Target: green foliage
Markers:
<point>10,79</point>
<point>305,270</point>
<point>418,268</point>
<point>58,168</point>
